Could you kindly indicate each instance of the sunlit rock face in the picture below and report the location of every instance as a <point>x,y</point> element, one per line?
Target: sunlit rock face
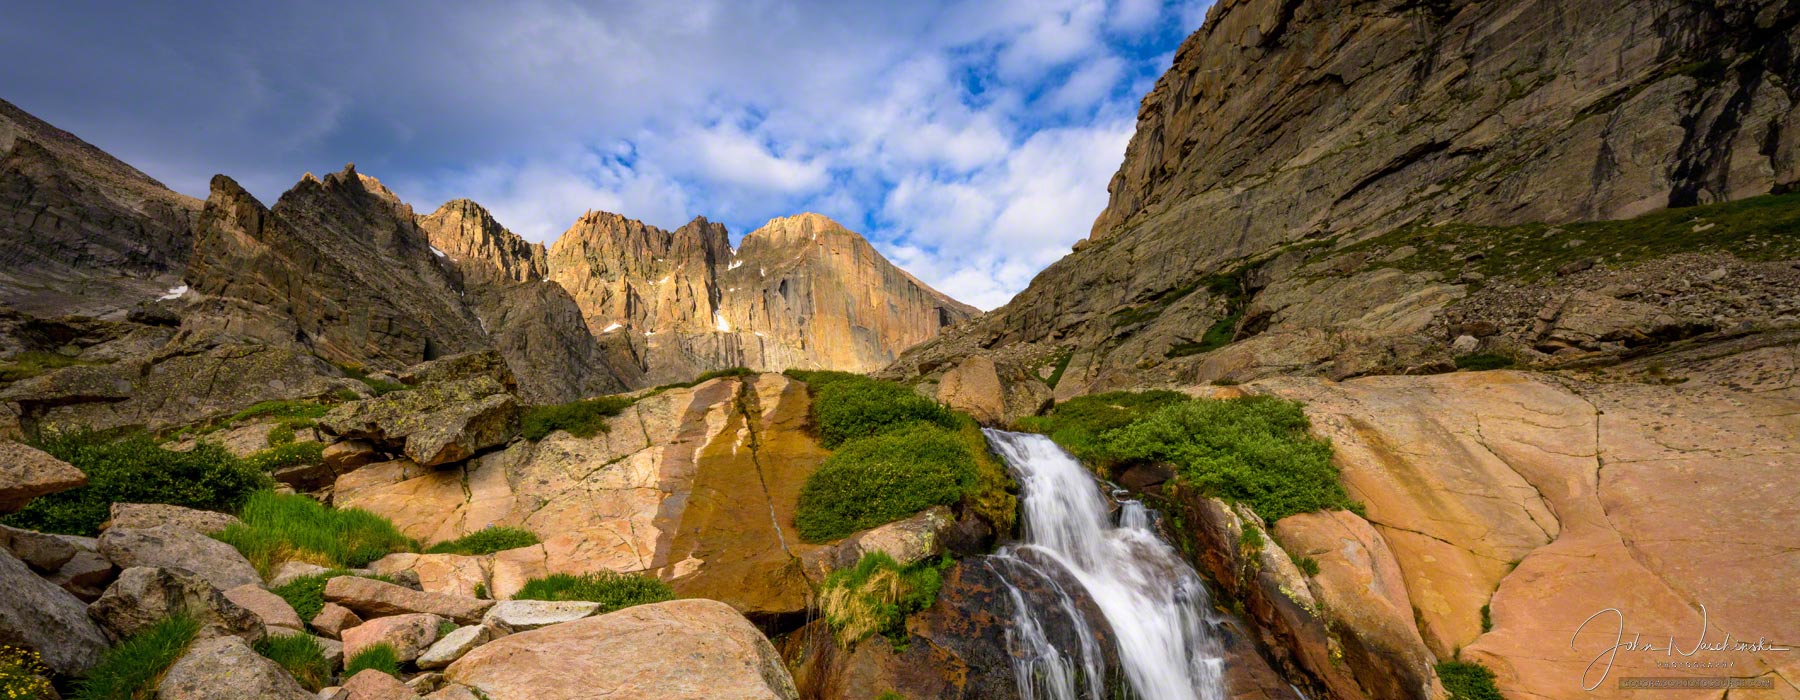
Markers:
<point>801,291</point>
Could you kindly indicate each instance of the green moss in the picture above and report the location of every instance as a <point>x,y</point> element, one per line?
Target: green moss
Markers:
<point>300,655</point>
<point>876,595</point>
<point>377,387</point>
<point>26,365</point>
<point>1218,335</point>
<point>875,480</point>
<point>381,657</point>
<point>613,591</point>
<point>1484,361</point>
<point>298,410</point>
<point>135,469</point>
<point>1468,681</point>
<point>1251,539</point>
<point>1755,228</point>
<point>486,541</point>
<point>581,419</point>
<point>278,527</point>
<point>1061,365</point>
<point>994,496</point>
<point>286,455</point>
<point>132,669</point>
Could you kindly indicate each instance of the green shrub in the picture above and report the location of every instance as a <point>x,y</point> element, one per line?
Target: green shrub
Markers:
<point>1077,424</point>
<point>876,595</point>
<point>581,419</point>
<point>135,469</point>
<point>486,541</point>
<point>380,656</point>
<point>1219,335</point>
<point>306,594</point>
<point>1484,361</point>
<point>1468,681</point>
<point>280,434</point>
<point>287,410</point>
<point>279,527</point>
<point>880,479</point>
<point>23,674</point>
<point>844,409</point>
<point>287,455</point>
<point>300,656</point>
<point>613,591</point>
<point>1254,449</point>
<point>29,364</point>
<point>1308,565</point>
<point>1487,619</point>
<point>132,669</point>
<point>1251,539</point>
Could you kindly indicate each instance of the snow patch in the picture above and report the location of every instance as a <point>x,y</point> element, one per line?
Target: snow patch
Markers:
<point>611,328</point>
<point>719,323</point>
<point>174,293</point>
<point>735,264</point>
<point>439,253</point>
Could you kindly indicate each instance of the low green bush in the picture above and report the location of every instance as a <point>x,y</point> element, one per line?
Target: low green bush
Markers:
<point>612,591</point>
<point>132,669</point>
<point>844,409</point>
<point>1254,449</point>
<point>1078,423</point>
<point>880,479</point>
<point>300,655</point>
<point>287,410</point>
<point>876,595</point>
<point>306,594</point>
<point>486,541</point>
<point>380,656</point>
<point>706,377</point>
<point>582,419</point>
<point>135,469</point>
<point>279,527</point>
<point>1308,565</point>
<point>1483,361</point>
<point>1468,681</point>
<point>286,455</point>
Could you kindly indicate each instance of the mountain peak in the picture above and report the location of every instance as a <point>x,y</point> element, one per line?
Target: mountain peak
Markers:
<point>805,225</point>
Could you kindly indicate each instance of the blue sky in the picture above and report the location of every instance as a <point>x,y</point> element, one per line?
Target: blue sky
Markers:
<point>971,141</point>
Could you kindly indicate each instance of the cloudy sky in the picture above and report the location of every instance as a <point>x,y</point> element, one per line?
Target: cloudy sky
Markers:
<point>971,141</point>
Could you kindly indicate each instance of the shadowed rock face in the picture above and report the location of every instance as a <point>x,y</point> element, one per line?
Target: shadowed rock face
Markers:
<point>1288,122</point>
<point>81,232</point>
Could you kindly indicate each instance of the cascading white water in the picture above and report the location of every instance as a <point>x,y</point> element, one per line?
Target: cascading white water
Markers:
<point>1154,602</point>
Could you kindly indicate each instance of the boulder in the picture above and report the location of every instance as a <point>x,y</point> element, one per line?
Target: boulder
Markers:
<point>332,649</point>
<point>973,387</point>
<point>226,668</point>
<point>370,684</point>
<point>679,650</point>
<point>145,595</point>
<point>268,607</point>
<point>27,472</point>
<point>176,546</point>
<point>410,635</point>
<point>43,551</point>
<point>454,645</point>
<point>36,614</point>
<point>148,515</point>
<point>451,574</point>
<point>456,368</point>
<point>425,682</point>
<point>509,616</point>
<point>347,455</point>
<point>290,570</point>
<point>85,575</point>
<point>372,598</point>
<point>333,619</point>
<point>1586,320</point>
<point>908,541</point>
<point>454,692</point>
<point>434,424</point>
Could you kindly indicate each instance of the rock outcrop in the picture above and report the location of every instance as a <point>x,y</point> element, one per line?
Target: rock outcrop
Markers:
<point>679,650</point>
<point>81,232</point>
<point>36,614</point>
<point>27,472</point>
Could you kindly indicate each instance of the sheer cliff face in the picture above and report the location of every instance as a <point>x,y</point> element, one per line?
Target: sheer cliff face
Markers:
<point>1284,122</point>
<point>339,265</point>
<point>81,232</point>
<point>802,291</point>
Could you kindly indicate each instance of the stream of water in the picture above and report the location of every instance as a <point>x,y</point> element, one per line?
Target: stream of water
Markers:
<point>1155,604</point>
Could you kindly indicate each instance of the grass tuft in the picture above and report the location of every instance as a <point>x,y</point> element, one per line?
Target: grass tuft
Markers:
<point>279,527</point>
<point>306,594</point>
<point>876,595</point>
<point>582,419</point>
<point>486,541</point>
<point>1468,681</point>
<point>132,669</point>
<point>300,655</point>
<point>613,591</point>
<point>135,469</point>
<point>381,657</point>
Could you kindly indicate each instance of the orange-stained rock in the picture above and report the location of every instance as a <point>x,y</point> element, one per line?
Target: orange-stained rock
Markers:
<point>410,635</point>
<point>973,387</point>
<point>679,650</point>
<point>371,598</point>
<point>371,684</point>
<point>27,472</point>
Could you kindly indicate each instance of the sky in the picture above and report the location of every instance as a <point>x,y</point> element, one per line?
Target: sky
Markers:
<point>971,142</point>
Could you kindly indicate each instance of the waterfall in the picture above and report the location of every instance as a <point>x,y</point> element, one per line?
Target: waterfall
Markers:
<point>1156,605</point>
